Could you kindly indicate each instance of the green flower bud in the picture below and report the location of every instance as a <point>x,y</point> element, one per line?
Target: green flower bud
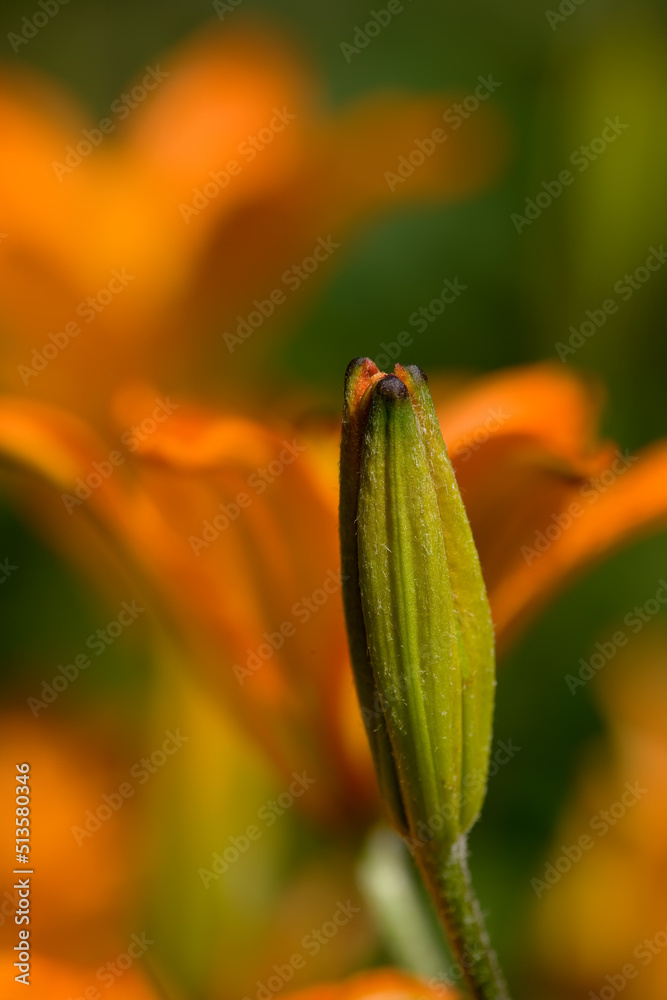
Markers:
<point>418,618</point>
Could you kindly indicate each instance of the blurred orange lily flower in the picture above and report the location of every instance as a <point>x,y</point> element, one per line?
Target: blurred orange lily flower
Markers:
<point>130,239</point>
<point>229,527</point>
<point>602,925</point>
<point>383,984</point>
<point>85,897</point>
<point>51,979</point>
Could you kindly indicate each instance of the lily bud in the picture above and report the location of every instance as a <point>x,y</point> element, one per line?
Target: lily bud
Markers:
<point>418,618</point>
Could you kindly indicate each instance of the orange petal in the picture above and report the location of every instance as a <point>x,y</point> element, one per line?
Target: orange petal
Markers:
<point>225,528</point>
<point>249,560</point>
<point>382,984</point>
<point>222,88</point>
<point>634,502</point>
<point>84,890</point>
<point>543,402</point>
<point>525,451</point>
<point>53,979</point>
<point>614,897</point>
<point>68,227</point>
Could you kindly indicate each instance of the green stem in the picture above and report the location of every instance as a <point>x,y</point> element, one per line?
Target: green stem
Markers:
<point>451,889</point>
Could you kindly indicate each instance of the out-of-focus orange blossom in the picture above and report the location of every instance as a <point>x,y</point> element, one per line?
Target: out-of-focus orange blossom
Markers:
<point>608,910</point>
<point>83,892</point>
<point>187,273</point>
<point>52,979</point>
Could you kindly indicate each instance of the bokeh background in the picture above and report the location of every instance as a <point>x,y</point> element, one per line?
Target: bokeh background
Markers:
<point>561,77</point>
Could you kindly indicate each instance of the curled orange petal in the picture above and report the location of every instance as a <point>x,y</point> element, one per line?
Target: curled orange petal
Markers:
<point>545,497</point>
<point>223,526</point>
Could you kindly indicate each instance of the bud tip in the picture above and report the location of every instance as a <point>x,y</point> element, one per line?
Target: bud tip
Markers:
<point>391,388</point>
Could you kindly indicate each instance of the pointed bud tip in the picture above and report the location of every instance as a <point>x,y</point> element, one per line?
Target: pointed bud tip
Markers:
<point>360,374</point>
<point>413,376</point>
<point>391,387</point>
<point>360,368</point>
